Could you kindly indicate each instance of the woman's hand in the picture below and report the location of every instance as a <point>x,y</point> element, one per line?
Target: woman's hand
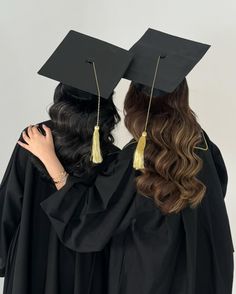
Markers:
<point>43,147</point>
<point>38,144</point>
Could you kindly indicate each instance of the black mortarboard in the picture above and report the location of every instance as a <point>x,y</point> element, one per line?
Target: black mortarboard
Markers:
<point>178,57</point>
<point>69,64</point>
<point>91,66</point>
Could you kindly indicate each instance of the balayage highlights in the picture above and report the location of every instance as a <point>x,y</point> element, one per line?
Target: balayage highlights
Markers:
<point>171,165</point>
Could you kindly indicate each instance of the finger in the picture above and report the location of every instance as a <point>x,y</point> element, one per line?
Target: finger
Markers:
<point>29,130</point>
<point>25,137</point>
<point>26,146</point>
<point>47,131</point>
<point>35,130</point>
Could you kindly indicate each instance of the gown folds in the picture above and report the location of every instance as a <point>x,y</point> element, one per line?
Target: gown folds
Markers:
<point>190,252</point>
<point>32,258</point>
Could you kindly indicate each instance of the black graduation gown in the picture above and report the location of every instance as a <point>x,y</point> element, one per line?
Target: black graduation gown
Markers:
<point>186,253</point>
<point>32,258</point>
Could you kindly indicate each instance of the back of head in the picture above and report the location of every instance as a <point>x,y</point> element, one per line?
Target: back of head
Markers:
<point>74,115</point>
<point>171,165</point>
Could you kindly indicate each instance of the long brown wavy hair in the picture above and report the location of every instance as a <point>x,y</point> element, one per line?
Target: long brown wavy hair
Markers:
<point>171,165</point>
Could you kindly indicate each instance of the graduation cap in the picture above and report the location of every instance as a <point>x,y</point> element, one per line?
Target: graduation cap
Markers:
<point>161,62</point>
<point>178,57</point>
<point>90,65</point>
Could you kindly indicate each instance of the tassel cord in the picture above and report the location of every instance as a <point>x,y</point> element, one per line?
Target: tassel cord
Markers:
<point>138,162</point>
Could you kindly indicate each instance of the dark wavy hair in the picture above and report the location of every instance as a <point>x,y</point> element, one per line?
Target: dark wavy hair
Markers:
<point>73,117</point>
<point>171,165</point>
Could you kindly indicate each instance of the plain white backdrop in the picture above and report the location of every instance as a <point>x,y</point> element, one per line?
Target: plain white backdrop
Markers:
<point>31,30</point>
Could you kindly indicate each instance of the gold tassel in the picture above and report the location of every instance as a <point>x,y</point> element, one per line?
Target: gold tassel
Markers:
<point>138,162</point>
<point>96,156</point>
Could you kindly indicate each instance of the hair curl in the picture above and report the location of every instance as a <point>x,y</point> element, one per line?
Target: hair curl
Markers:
<point>171,165</point>
<point>73,116</point>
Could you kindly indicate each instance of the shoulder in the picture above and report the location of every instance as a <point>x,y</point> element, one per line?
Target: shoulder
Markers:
<point>113,150</point>
<point>128,150</point>
<point>22,151</point>
<point>48,123</point>
<point>117,162</point>
<point>216,154</point>
<point>206,136</point>
<point>211,145</point>
<point>219,162</point>
<point>111,158</point>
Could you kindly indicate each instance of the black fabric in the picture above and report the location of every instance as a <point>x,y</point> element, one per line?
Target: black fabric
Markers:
<point>32,258</point>
<point>186,253</point>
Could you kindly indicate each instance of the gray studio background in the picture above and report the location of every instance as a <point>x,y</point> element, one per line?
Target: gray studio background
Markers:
<point>31,30</point>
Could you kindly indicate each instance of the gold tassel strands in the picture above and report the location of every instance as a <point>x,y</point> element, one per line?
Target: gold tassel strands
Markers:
<point>96,156</point>
<point>138,162</point>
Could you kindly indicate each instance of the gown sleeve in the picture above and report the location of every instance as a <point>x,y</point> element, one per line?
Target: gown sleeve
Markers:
<point>86,217</point>
<point>11,193</point>
<point>219,164</point>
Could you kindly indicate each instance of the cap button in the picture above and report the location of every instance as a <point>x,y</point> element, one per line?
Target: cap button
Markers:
<point>163,55</point>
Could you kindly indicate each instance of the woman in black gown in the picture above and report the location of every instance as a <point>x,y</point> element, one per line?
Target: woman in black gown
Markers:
<point>166,224</point>
<point>33,260</point>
